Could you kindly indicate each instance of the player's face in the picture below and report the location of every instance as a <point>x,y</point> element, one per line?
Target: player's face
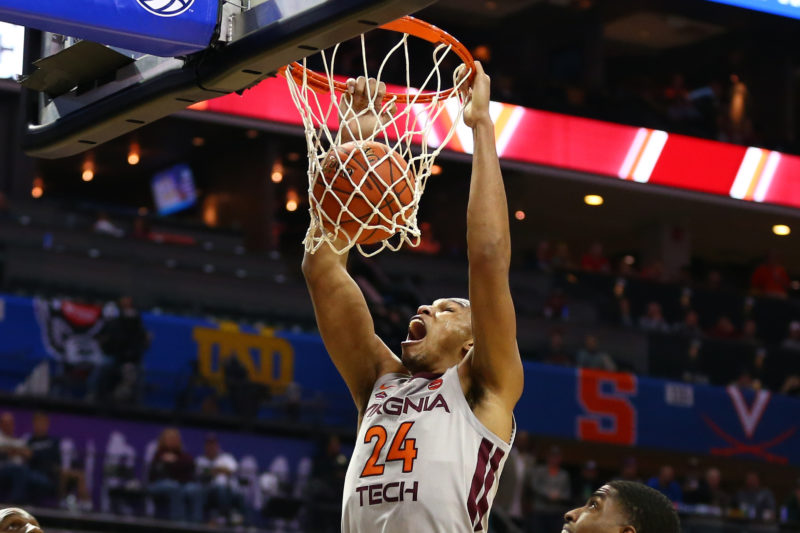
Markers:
<point>436,332</point>
<point>18,521</point>
<point>601,514</point>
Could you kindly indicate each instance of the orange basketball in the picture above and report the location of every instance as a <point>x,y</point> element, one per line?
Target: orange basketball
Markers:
<point>373,179</point>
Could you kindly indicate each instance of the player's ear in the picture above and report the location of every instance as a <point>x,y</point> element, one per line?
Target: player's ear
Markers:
<point>466,347</point>
<point>627,529</point>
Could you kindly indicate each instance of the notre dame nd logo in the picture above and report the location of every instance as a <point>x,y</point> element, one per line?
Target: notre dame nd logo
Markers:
<point>269,360</point>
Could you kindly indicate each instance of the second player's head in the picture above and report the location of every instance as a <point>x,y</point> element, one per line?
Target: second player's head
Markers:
<point>18,520</point>
<point>624,507</point>
<point>439,335</point>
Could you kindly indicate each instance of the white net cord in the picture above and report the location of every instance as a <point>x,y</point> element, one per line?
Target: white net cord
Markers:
<point>407,133</point>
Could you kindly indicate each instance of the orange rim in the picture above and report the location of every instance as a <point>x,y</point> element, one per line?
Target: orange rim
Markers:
<point>410,25</point>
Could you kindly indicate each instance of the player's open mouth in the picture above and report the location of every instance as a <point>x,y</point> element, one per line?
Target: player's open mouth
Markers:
<point>416,330</point>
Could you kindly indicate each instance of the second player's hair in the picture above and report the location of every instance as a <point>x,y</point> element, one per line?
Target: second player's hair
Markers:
<point>648,510</point>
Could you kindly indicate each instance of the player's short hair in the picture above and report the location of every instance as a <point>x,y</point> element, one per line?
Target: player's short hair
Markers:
<point>647,510</point>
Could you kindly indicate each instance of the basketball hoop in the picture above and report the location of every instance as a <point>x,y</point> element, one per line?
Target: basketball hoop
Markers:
<point>318,97</point>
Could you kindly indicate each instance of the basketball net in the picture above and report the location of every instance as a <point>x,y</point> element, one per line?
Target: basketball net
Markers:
<point>407,132</point>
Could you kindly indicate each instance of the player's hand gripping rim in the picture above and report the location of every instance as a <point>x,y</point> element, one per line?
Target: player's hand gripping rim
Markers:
<point>476,95</point>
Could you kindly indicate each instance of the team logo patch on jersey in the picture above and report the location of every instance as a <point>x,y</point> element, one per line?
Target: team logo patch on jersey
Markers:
<point>435,384</point>
<point>387,387</point>
<point>381,395</point>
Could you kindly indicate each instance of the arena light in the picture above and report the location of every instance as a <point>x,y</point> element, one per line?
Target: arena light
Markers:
<point>292,201</point>
<point>38,188</point>
<point>781,230</point>
<point>277,172</point>
<point>520,215</point>
<point>482,53</point>
<point>593,199</point>
<point>87,173</point>
<point>133,154</point>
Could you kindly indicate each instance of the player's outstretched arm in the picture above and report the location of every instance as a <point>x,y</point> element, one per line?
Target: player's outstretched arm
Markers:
<point>495,363</point>
<point>342,315</point>
<point>345,324</point>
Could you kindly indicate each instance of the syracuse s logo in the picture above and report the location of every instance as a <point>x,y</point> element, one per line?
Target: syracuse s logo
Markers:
<point>166,8</point>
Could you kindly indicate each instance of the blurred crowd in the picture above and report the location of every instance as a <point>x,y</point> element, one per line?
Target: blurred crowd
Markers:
<point>213,488</point>
<point>695,325</point>
<point>218,489</point>
<point>535,492</point>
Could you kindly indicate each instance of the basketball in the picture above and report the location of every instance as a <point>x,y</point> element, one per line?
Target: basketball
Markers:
<point>360,176</point>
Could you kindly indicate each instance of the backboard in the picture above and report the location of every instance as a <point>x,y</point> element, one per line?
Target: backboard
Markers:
<point>82,93</point>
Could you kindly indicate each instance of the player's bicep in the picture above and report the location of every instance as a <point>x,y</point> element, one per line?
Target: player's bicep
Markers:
<point>347,330</point>
<point>496,362</point>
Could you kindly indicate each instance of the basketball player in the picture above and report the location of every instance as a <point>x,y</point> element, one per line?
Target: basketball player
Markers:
<point>624,507</point>
<point>436,423</point>
<point>18,520</point>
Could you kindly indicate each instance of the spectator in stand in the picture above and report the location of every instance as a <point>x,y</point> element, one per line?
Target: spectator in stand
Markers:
<point>714,280</point>
<point>544,257</point>
<point>653,321</point>
<point>45,462</point>
<point>770,278</point>
<point>594,259</point>
<point>694,373</point>
<point>141,229</point>
<point>710,491</point>
<point>124,340</point>
<point>554,352</point>
<point>552,493</point>
<point>555,308</point>
<point>750,332</point>
<point>14,456</point>
<point>15,520</point>
<point>217,471</point>
<point>654,271</point>
<point>513,498</point>
<point>791,387</point>
<point>665,483</point>
<point>587,482</point>
<point>625,316</point>
<point>759,373</point>
<point>792,342</point>
<point>591,357</point>
<point>690,326</point>
<point>630,470</point>
<point>103,225</point>
<point>792,505</point>
<point>325,488</point>
<point>756,501</point>
<point>172,477</point>
<point>562,258</point>
<point>745,379</point>
<point>692,482</point>
<point>723,329</point>
<point>625,267</point>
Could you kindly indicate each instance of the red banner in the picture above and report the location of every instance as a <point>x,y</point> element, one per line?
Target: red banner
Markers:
<point>623,152</point>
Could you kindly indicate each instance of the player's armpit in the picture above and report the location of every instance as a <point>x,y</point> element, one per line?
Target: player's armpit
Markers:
<point>345,324</point>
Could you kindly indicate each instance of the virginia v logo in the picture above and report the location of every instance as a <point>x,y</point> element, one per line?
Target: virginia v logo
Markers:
<point>749,415</point>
